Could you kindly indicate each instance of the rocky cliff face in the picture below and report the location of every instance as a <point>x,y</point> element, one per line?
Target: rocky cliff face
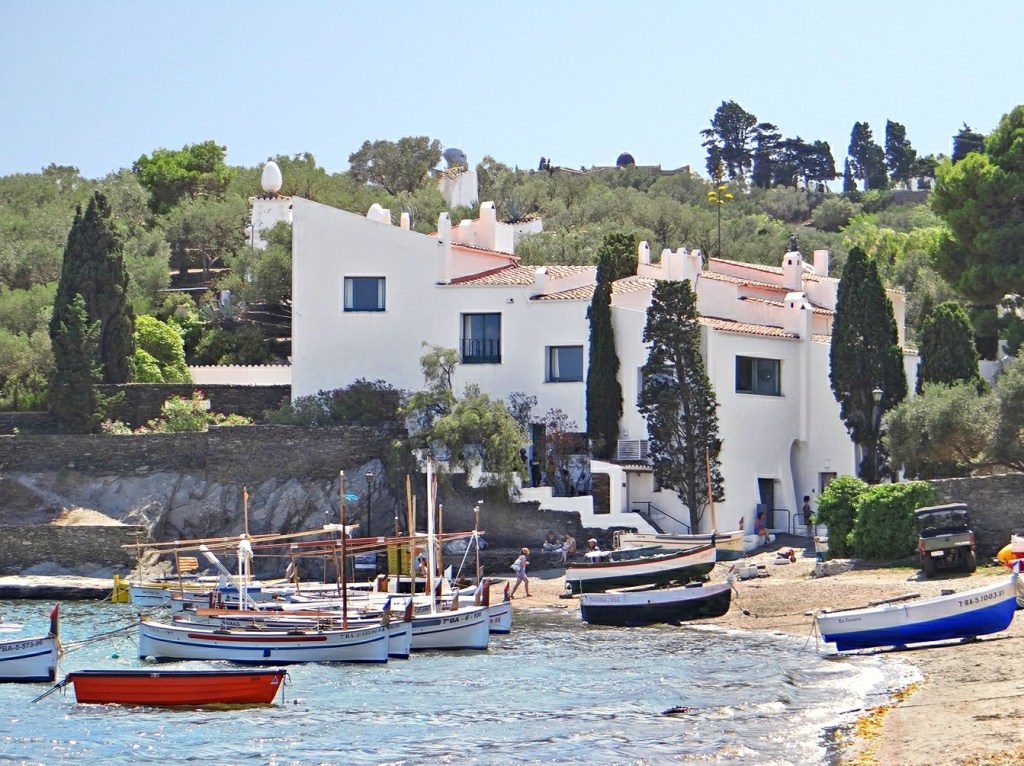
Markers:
<point>173,505</point>
<point>192,486</point>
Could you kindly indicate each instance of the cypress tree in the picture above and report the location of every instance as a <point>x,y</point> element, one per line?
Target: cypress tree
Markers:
<point>94,269</point>
<point>865,355</point>
<point>73,396</point>
<point>948,353</point>
<point>677,400</point>
<point>616,259</point>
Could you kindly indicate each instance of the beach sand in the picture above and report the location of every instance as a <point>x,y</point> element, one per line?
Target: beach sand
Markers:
<point>967,710</point>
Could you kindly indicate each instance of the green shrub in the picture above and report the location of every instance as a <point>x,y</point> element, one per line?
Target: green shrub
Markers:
<point>837,509</point>
<point>192,415</point>
<point>884,523</point>
<point>360,403</point>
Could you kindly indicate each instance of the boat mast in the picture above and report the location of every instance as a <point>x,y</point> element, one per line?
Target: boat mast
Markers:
<point>711,494</point>
<point>476,541</point>
<point>344,558</point>
<point>430,533</point>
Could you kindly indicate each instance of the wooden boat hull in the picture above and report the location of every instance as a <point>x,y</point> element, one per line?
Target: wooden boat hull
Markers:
<point>465,628</point>
<point>184,641</point>
<point>728,545</point>
<point>28,660</point>
<point>679,566</point>
<point>499,617</point>
<point>177,687</point>
<point>973,613</point>
<point>649,607</point>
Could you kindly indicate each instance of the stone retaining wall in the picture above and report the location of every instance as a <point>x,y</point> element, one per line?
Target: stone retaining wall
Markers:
<point>69,547</point>
<point>995,505</point>
<point>245,454</point>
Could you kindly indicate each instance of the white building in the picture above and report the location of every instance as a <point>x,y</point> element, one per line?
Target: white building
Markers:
<point>367,295</point>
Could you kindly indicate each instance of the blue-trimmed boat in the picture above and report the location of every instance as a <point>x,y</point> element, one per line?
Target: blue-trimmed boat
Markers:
<point>31,659</point>
<point>970,614</point>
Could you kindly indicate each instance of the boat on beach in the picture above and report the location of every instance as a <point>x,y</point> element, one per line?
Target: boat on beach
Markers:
<point>729,545</point>
<point>599,574</point>
<point>650,606</point>
<point>896,622</point>
<point>34,658</point>
<point>169,688</point>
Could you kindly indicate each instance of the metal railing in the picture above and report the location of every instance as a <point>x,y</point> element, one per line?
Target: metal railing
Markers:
<point>651,513</point>
<point>481,351</point>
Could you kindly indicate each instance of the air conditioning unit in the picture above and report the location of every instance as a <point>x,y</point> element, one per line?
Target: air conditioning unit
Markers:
<point>632,450</point>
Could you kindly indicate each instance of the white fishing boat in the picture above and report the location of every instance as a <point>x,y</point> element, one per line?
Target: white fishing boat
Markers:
<point>460,627</point>
<point>729,546</point>
<point>33,658</point>
<point>398,621</point>
<point>194,641</point>
<point>604,571</point>
<point>897,622</point>
<point>463,628</point>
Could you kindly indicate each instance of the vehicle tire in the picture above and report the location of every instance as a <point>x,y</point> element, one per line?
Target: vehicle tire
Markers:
<point>928,566</point>
<point>970,562</point>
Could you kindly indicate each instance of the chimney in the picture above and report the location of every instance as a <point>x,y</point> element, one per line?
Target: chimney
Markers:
<point>821,263</point>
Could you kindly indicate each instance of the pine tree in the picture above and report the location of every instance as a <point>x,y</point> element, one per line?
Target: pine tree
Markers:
<point>94,269</point>
<point>967,141</point>
<point>865,357</point>
<point>73,395</point>
<point>899,154</point>
<point>678,402</point>
<point>948,353</point>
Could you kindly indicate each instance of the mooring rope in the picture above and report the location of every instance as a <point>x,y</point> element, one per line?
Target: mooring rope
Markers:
<point>124,631</point>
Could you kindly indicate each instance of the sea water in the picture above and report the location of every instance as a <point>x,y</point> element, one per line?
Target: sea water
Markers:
<point>553,691</point>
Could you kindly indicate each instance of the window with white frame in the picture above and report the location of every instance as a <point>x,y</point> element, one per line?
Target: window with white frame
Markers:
<point>364,294</point>
<point>758,376</point>
<point>565,364</point>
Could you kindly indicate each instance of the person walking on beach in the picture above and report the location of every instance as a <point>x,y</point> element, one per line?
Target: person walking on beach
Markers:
<point>520,565</point>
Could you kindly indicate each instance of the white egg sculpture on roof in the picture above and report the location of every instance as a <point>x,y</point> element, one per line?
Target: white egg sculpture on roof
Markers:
<point>271,178</point>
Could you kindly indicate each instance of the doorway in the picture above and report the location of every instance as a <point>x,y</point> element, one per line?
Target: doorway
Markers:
<point>766,491</point>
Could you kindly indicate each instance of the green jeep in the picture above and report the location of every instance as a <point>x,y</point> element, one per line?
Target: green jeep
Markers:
<point>945,538</point>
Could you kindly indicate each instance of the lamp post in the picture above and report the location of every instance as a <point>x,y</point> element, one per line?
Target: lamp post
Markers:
<point>718,197</point>
<point>876,426</point>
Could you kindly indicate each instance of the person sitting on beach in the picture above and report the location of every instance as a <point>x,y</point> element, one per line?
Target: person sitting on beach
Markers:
<point>760,527</point>
<point>551,544</point>
<point>592,547</point>
<point>568,547</point>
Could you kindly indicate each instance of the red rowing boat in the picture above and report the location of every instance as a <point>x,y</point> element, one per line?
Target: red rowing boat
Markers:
<point>177,687</point>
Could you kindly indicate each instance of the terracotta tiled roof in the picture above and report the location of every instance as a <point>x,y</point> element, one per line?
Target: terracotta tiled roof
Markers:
<point>739,280</point>
<point>518,275</point>
<point>745,328</point>
<point>780,304</point>
<point>476,249</point>
<point>777,270</point>
<point>586,293</point>
<point>632,285</point>
<point>576,294</point>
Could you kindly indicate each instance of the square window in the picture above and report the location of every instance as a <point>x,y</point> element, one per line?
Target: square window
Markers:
<point>364,293</point>
<point>565,364</point>
<point>481,338</point>
<point>758,376</point>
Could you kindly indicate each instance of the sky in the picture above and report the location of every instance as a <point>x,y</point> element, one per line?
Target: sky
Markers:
<point>98,84</point>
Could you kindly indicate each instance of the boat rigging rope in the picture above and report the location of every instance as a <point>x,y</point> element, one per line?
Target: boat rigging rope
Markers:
<point>125,631</point>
